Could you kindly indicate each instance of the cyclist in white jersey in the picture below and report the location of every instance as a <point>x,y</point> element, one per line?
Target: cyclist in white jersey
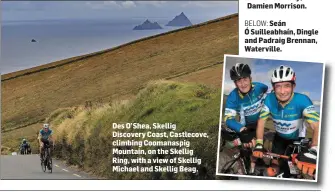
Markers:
<point>290,112</point>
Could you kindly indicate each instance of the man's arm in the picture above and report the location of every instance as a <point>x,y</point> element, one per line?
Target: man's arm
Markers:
<point>39,138</point>
<point>230,114</point>
<point>315,137</point>
<point>232,123</point>
<point>264,115</point>
<point>306,162</point>
<point>51,137</point>
<point>312,118</point>
<point>260,129</point>
<point>258,148</point>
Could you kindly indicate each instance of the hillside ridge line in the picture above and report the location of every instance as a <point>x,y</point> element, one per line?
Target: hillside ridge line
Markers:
<point>83,57</point>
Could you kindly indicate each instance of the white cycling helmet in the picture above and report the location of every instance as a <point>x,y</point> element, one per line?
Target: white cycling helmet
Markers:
<point>283,73</point>
<point>46,126</point>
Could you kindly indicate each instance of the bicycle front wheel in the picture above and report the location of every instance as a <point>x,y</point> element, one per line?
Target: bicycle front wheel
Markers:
<point>234,167</point>
<point>49,161</point>
<point>44,167</point>
<point>50,164</point>
<point>231,165</point>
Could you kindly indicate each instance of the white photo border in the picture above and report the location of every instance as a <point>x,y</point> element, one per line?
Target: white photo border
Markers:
<point>220,123</point>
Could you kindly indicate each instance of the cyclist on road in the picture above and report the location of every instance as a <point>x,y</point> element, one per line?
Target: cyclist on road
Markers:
<point>45,137</point>
<point>24,145</point>
<point>245,100</point>
<point>289,111</point>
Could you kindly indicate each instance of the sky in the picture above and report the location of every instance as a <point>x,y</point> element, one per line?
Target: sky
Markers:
<point>309,75</point>
<point>44,10</point>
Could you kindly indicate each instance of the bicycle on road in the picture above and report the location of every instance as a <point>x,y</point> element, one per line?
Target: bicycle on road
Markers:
<point>46,161</point>
<point>24,150</point>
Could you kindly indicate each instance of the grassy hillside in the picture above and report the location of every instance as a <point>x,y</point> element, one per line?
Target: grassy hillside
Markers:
<point>11,139</point>
<point>29,96</point>
<point>211,76</point>
<point>85,139</point>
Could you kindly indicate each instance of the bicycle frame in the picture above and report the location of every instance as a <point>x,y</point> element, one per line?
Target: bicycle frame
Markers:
<point>46,153</point>
<point>236,157</point>
<point>297,148</point>
<point>275,156</point>
<point>46,160</point>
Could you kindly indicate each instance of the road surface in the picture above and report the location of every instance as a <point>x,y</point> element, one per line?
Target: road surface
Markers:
<point>29,167</point>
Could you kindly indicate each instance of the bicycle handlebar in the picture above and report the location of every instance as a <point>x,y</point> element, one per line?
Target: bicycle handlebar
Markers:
<point>274,155</point>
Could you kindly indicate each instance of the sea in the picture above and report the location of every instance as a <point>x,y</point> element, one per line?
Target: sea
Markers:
<point>61,39</point>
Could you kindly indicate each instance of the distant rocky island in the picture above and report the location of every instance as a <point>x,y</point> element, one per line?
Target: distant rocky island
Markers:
<point>180,20</point>
<point>146,25</point>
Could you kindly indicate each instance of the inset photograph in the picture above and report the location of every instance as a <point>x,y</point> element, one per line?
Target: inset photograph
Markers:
<point>270,118</point>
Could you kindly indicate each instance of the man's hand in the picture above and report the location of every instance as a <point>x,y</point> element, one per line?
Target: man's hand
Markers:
<point>258,150</point>
<point>251,144</point>
<point>247,138</point>
<point>306,161</point>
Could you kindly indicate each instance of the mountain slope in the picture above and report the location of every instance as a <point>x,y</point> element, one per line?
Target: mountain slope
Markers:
<point>29,96</point>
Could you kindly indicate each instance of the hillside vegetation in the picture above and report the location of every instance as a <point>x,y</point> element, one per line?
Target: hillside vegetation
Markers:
<point>85,134</point>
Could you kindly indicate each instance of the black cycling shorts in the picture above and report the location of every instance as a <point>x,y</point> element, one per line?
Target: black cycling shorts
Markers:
<point>281,146</point>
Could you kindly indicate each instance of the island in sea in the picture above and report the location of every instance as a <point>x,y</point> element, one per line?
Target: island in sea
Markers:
<point>180,20</point>
<point>146,25</point>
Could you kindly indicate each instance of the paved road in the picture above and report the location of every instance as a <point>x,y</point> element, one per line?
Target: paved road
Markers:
<point>29,167</point>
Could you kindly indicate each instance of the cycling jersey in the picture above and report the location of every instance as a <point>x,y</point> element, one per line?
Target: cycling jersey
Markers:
<point>45,135</point>
<point>24,144</point>
<point>289,121</point>
<point>248,106</point>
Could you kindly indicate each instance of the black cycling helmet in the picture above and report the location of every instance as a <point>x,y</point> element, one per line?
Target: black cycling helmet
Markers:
<point>240,70</point>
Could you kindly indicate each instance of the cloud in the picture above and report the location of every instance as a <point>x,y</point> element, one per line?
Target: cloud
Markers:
<point>24,10</point>
<point>152,3</point>
<point>228,87</point>
<point>103,4</point>
<point>263,77</point>
<point>21,6</point>
<point>317,103</point>
<point>128,4</point>
<point>111,4</point>
<point>208,4</point>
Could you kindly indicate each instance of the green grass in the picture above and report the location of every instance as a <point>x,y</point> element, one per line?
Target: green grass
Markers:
<point>86,138</point>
